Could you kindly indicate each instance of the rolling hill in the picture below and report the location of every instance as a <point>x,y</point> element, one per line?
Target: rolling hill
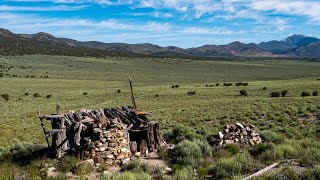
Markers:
<point>294,46</point>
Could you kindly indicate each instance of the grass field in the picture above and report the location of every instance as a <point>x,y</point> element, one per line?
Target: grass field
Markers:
<point>289,126</point>
<point>209,109</point>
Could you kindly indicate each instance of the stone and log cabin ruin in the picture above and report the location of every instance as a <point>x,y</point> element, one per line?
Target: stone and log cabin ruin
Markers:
<point>107,136</point>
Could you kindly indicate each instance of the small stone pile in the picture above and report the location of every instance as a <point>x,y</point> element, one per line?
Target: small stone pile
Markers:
<point>243,135</point>
<point>112,147</point>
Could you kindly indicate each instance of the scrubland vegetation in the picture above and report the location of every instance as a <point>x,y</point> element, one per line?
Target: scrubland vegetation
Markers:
<point>191,99</point>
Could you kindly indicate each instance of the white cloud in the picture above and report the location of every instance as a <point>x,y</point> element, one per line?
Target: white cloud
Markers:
<point>49,8</point>
<point>307,8</point>
<point>215,30</point>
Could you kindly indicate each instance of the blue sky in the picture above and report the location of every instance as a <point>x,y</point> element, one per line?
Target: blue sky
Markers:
<point>183,23</point>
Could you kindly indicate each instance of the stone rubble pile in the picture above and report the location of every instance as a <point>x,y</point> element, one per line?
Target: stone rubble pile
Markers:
<point>243,135</point>
<point>112,147</point>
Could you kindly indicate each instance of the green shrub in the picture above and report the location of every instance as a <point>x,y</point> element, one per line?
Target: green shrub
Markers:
<point>26,94</point>
<point>83,169</point>
<point>225,168</point>
<point>284,93</point>
<point>60,176</point>
<point>264,88</point>
<point>119,91</point>
<point>125,176</point>
<point>183,174</point>
<point>205,148</point>
<point>49,96</point>
<point>315,93</point>
<point>270,136</point>
<point>304,94</point>
<point>217,84</point>
<point>232,148</point>
<point>187,153</point>
<point>311,174</point>
<point>191,93</point>
<point>134,164</point>
<point>243,93</point>
<point>258,149</point>
<point>202,172</point>
<point>142,176</point>
<point>179,133</point>
<point>85,93</point>
<point>275,94</point>
<point>68,164</point>
<point>285,173</point>
<point>5,96</point>
<point>36,95</point>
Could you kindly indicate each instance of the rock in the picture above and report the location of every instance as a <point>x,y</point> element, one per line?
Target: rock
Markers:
<point>239,125</point>
<point>125,161</point>
<point>121,156</point>
<point>251,142</point>
<point>52,172</point>
<point>88,162</point>
<point>110,156</point>
<point>137,154</point>
<point>167,170</point>
<point>98,159</point>
<point>229,141</point>
<point>221,135</point>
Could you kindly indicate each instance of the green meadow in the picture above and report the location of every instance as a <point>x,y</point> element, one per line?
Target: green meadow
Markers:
<point>76,83</point>
<point>70,77</point>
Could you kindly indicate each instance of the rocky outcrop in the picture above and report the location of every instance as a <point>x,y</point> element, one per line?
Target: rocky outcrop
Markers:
<point>240,134</point>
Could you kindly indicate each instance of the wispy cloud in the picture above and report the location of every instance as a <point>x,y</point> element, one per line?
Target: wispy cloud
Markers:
<point>48,8</point>
<point>299,8</point>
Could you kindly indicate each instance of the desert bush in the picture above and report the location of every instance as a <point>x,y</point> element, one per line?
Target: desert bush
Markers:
<point>60,176</point>
<point>275,94</point>
<point>26,94</point>
<point>83,169</point>
<point>270,136</point>
<point>191,93</point>
<point>202,172</point>
<point>315,93</point>
<point>225,168</point>
<point>258,149</point>
<point>227,84</point>
<point>284,93</point>
<point>285,173</point>
<point>68,164</point>
<point>232,148</point>
<point>205,148</point>
<point>217,84</point>
<point>134,164</point>
<point>183,174</point>
<point>142,176</point>
<point>125,176</point>
<point>305,93</point>
<point>118,91</point>
<point>5,96</point>
<point>243,93</point>
<point>279,152</point>
<point>7,170</point>
<point>187,153</point>
<point>36,95</point>
<point>49,96</point>
<point>264,88</point>
<point>311,174</point>
<point>157,95</point>
<point>85,93</point>
<point>179,133</point>
<point>163,153</point>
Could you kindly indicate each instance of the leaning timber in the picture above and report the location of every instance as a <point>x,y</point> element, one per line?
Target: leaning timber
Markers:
<point>107,136</point>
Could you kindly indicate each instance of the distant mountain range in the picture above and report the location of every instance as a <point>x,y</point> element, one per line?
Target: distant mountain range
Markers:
<point>43,43</point>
